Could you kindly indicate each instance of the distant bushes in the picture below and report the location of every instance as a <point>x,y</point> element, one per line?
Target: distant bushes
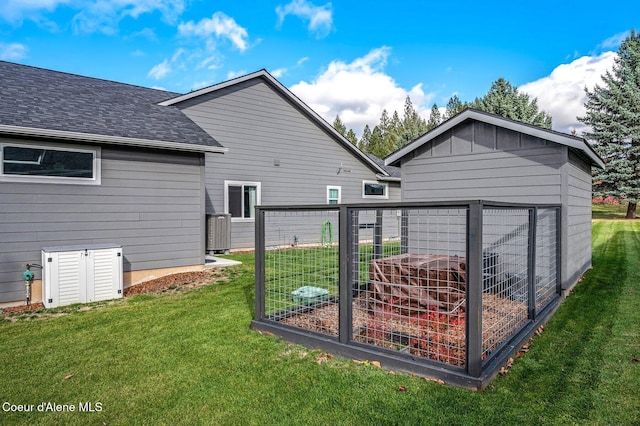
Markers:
<point>611,200</point>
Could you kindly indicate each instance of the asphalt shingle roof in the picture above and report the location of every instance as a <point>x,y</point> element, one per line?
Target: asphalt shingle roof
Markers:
<point>393,171</point>
<point>44,99</point>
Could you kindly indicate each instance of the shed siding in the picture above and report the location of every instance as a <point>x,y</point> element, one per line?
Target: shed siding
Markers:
<point>578,217</point>
<point>480,161</point>
<point>261,128</point>
<point>148,201</point>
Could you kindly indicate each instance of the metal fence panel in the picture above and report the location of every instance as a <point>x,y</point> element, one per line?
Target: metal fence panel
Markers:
<point>395,279</point>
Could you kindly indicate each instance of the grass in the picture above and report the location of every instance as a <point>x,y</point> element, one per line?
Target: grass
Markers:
<point>609,211</point>
<point>191,358</point>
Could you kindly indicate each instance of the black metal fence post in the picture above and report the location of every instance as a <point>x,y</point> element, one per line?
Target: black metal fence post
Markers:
<point>531,262</point>
<point>559,250</point>
<point>259,265</point>
<point>474,289</point>
<point>345,246</point>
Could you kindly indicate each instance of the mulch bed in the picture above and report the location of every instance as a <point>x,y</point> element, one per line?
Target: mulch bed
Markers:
<point>433,334</point>
<point>168,284</point>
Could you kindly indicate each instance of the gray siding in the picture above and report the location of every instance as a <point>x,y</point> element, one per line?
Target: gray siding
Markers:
<point>261,128</point>
<point>578,216</point>
<point>149,202</point>
<point>482,161</point>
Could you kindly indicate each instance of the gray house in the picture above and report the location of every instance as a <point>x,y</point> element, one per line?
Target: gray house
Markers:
<point>280,153</point>
<point>87,162</point>
<point>476,155</point>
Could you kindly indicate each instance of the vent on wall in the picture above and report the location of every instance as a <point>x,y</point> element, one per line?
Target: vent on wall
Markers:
<point>218,233</point>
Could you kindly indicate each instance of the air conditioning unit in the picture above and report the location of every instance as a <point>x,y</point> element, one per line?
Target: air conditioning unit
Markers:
<point>81,274</point>
<point>218,233</point>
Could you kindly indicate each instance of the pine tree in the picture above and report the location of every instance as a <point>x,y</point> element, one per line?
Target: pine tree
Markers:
<point>454,106</point>
<point>365,139</point>
<point>435,118</point>
<point>504,99</point>
<point>613,113</point>
<point>351,137</point>
<point>339,126</point>
<point>376,143</point>
<point>412,125</point>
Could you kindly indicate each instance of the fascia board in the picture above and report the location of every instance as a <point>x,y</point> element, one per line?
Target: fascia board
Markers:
<point>106,139</point>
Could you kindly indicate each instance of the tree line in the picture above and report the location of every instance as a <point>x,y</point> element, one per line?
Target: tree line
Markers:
<point>393,132</point>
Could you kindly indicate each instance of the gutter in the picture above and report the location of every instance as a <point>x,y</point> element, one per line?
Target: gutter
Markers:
<point>107,139</point>
<point>383,178</point>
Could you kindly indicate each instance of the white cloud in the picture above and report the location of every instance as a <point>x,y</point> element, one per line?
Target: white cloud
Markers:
<point>320,18</point>
<point>15,11</point>
<point>561,93</point>
<point>160,71</point>
<point>233,74</point>
<point>359,91</point>
<point>614,41</point>
<point>12,51</point>
<point>220,26</point>
<point>92,15</point>
<point>277,73</point>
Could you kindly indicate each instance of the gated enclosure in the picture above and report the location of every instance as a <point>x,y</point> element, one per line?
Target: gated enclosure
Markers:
<point>445,290</point>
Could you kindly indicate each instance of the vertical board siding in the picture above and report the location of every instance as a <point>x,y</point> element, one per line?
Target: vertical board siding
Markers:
<point>524,170</point>
<point>148,201</point>
<point>272,142</point>
<point>482,161</point>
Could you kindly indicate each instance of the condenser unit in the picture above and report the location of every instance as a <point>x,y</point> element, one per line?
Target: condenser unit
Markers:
<point>218,233</point>
<point>81,274</point>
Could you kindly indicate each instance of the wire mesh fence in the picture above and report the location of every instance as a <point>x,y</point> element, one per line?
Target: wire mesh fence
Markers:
<point>411,294</point>
<point>395,279</point>
<point>302,268</point>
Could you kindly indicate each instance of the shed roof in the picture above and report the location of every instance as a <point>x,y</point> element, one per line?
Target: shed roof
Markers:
<point>51,104</point>
<point>304,108</point>
<point>575,143</point>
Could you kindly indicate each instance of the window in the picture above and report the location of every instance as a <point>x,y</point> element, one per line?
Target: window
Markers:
<point>334,194</point>
<point>241,199</point>
<point>373,189</point>
<point>24,162</point>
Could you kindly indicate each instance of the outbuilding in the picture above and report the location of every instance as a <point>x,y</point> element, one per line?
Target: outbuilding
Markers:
<point>476,155</point>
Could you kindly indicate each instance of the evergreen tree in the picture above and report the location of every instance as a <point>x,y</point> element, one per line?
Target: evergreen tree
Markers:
<point>454,106</point>
<point>339,126</point>
<point>351,136</point>
<point>365,139</point>
<point>613,113</point>
<point>435,118</point>
<point>504,99</point>
<point>376,143</point>
<point>412,125</point>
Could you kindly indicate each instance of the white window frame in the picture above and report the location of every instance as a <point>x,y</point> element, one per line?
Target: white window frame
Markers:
<point>375,182</point>
<point>227,184</point>
<point>329,198</point>
<point>95,151</point>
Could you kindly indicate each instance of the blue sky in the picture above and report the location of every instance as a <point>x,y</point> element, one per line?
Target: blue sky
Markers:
<point>341,57</point>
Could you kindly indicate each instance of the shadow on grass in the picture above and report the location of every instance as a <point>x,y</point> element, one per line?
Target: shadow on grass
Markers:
<point>570,355</point>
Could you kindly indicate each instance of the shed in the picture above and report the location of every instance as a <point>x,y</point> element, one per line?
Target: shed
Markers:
<point>476,155</point>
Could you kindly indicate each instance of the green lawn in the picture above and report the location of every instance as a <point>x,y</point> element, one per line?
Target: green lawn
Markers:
<point>191,359</point>
<point>609,211</point>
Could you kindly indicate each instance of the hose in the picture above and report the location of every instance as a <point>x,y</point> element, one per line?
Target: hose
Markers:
<point>326,234</point>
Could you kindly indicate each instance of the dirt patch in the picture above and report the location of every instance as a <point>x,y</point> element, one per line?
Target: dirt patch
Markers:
<point>169,284</point>
<point>177,282</point>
